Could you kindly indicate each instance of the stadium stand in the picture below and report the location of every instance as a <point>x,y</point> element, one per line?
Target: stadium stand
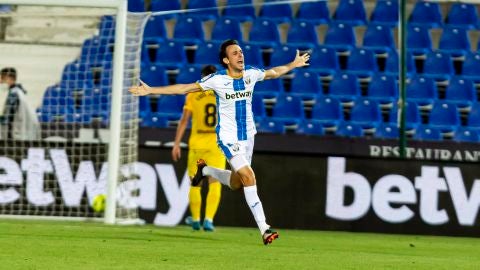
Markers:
<point>312,28</point>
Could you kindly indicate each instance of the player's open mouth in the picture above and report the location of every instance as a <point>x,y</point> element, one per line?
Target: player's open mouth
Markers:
<point>240,62</point>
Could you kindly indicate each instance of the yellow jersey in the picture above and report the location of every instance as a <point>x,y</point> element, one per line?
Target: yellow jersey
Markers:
<point>203,107</point>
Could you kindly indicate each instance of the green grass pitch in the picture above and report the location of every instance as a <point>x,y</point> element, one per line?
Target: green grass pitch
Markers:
<point>74,245</point>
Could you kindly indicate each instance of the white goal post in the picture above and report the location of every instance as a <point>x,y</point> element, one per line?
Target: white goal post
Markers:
<point>118,87</point>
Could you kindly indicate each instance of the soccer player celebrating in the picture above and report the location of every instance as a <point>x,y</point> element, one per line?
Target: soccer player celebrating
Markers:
<point>235,129</point>
<point>201,108</point>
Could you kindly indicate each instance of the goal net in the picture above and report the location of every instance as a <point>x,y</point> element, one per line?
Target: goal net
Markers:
<point>69,128</point>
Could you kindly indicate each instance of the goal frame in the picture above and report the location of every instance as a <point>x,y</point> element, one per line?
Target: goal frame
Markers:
<point>117,86</point>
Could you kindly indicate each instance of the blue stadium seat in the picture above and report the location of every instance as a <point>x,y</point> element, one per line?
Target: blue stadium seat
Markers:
<point>207,53</point>
<point>144,108</point>
<point>347,129</point>
<point>378,38</point>
<point>455,41</point>
<point>466,134</point>
<point>242,10</point>
<point>351,12</point>
<point>421,90</point>
<point>387,131</point>
<point>227,28</point>
<point>386,13</point>
<point>267,125</point>
<point>107,26</point>
<point>362,63</point>
<point>444,116</point>
<point>383,89</point>
<point>54,113</point>
<point>282,54</point>
<point>76,71</point>
<point>302,35</point>
<point>419,40</point>
<point>171,106</point>
<point>314,12</point>
<point>136,6</point>
<point>210,11</point>
<point>327,111</point>
<point>279,13</point>
<point>55,91</point>
<point>258,108</point>
<point>471,67</point>
<point>306,85</point>
<point>57,96</point>
<point>71,86</point>
<point>461,92</point>
<point>462,15</point>
<point>155,120</point>
<point>162,5</point>
<point>426,133</point>
<point>92,50</point>
<point>438,65</point>
<point>253,55</point>
<point>269,90</point>
<point>427,14</point>
<point>171,55</point>
<point>473,119</point>
<point>264,33</point>
<point>412,116</point>
<point>154,75</point>
<point>366,113</point>
<point>189,30</point>
<point>344,87</point>
<point>340,36</point>
<point>324,61</point>
<point>391,65</point>
<point>289,110</point>
<point>310,127</point>
<point>155,28</point>
<point>189,74</point>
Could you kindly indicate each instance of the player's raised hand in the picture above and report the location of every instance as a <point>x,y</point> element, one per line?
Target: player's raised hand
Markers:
<point>140,90</point>
<point>301,60</point>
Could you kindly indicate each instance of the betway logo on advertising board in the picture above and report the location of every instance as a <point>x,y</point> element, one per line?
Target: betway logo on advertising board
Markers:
<point>238,95</point>
<point>139,190</point>
<point>397,189</point>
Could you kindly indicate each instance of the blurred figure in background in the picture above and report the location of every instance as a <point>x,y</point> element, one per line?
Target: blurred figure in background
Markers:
<point>17,118</point>
<point>201,108</point>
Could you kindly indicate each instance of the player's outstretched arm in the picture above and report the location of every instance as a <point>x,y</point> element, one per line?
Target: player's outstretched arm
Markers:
<point>299,61</point>
<point>176,89</point>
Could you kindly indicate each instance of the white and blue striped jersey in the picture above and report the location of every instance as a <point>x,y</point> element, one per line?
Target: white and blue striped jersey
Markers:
<point>234,102</point>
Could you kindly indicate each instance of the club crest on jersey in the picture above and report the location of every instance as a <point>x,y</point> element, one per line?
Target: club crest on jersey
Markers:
<point>235,146</point>
<point>247,80</point>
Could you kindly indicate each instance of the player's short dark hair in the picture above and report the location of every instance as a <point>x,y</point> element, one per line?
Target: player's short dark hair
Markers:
<point>223,50</point>
<point>208,69</point>
<point>9,72</point>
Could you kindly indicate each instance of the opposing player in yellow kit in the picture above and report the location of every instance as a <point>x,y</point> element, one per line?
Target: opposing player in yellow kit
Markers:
<point>201,108</point>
